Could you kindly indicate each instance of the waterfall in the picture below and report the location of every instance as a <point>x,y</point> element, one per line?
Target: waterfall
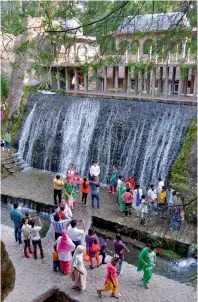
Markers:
<point>142,138</point>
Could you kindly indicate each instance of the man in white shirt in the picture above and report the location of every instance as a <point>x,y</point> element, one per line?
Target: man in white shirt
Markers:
<point>152,197</point>
<point>76,234</point>
<point>36,238</point>
<point>160,185</point>
<point>95,170</point>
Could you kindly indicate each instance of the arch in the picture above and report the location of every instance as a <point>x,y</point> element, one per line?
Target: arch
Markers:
<point>134,47</point>
<point>147,46</point>
<point>82,53</point>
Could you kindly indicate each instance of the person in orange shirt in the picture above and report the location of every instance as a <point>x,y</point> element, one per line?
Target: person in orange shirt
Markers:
<point>161,201</point>
<point>56,262</point>
<point>85,191</point>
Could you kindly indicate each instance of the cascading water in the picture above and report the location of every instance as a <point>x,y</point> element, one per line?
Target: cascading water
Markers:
<point>143,138</point>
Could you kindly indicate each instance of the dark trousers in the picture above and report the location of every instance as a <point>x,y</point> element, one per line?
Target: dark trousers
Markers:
<point>127,209</point>
<point>35,243</point>
<point>59,193</point>
<point>96,196</point>
<point>76,244</point>
<point>103,254</point>
<point>27,245</point>
<point>84,198</point>
<point>57,235</point>
<point>17,234</point>
<point>56,264</point>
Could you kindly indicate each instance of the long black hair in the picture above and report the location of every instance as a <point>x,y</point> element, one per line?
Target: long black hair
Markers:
<point>84,183</point>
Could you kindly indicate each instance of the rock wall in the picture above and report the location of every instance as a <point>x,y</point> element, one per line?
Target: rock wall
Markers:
<point>184,172</point>
<point>7,273</point>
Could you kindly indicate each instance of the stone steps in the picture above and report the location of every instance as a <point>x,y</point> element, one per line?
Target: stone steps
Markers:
<point>12,162</point>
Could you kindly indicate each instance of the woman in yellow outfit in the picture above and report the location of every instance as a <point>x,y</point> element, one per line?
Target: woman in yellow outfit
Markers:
<point>111,281</point>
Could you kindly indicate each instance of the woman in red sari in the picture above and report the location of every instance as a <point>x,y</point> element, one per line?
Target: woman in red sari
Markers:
<point>130,183</point>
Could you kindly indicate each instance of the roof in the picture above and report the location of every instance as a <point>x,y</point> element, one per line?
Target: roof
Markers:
<point>151,22</point>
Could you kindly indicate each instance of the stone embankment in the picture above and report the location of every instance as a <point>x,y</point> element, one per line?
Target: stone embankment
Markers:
<point>36,281</point>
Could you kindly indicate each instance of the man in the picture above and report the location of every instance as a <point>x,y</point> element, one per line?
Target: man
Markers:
<point>59,225</point>
<point>120,250</point>
<point>103,248</point>
<point>159,185</point>
<point>95,170</point>
<point>169,199</point>
<point>76,234</point>
<point>95,194</point>
<point>16,216</point>
<point>161,201</point>
<point>152,196</point>
<point>7,139</point>
<point>57,184</point>
<point>146,263</point>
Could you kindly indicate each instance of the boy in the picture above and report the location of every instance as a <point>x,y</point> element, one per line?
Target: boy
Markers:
<point>56,262</point>
<point>127,197</point>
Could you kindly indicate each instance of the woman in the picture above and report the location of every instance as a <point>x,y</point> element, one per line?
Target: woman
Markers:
<point>71,172</point>
<point>90,239</point>
<point>130,182</point>
<point>78,272</point>
<point>146,263</point>
<point>114,181</point>
<point>111,281</point>
<point>64,248</point>
<point>121,191</point>
<point>85,191</point>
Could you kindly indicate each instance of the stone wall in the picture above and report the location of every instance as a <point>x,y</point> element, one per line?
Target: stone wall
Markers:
<point>7,273</point>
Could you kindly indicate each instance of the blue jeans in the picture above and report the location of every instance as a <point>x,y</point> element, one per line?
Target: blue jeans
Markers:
<point>56,264</point>
<point>97,197</point>
<point>120,265</point>
<point>77,188</point>
<point>7,145</point>
<point>17,234</point>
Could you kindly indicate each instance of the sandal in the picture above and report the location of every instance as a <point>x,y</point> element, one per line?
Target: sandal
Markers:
<point>99,294</point>
<point>113,296</point>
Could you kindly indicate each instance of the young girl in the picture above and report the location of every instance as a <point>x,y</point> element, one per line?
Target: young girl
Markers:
<point>85,191</point>
<point>143,209</point>
<point>26,237</point>
<point>36,238</point>
<point>56,262</point>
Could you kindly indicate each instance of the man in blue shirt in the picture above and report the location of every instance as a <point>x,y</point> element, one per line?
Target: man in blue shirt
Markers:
<point>16,216</point>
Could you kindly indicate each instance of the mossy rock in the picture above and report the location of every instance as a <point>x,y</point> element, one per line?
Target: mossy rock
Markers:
<point>8,273</point>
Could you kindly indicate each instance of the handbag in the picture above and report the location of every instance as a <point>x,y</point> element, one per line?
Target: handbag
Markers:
<point>86,257</point>
<point>95,248</point>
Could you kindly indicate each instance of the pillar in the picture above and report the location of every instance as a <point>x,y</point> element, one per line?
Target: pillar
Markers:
<point>185,83</point>
<point>58,78</point>
<point>50,78</point>
<point>76,85</point>
<point>128,80</point>
<point>180,85</point>
<point>140,83</point>
<point>166,82</point>
<point>67,80</point>
<point>85,81</point>
<point>173,81</point>
<point>116,78</point>
<point>184,50</point>
<point>153,82</point>
<point>195,86</point>
<point>105,79</point>
<point>148,82</point>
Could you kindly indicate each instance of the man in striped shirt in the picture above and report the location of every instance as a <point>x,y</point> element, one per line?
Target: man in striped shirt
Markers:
<point>59,225</point>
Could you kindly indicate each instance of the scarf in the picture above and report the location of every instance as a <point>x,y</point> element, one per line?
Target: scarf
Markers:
<point>65,243</point>
<point>78,252</point>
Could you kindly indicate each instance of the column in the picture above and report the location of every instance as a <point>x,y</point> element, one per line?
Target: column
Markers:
<point>96,79</point>
<point>67,82</point>
<point>166,82</point>
<point>128,80</point>
<point>76,85</point>
<point>58,78</point>
<point>148,82</point>
<point>85,81</point>
<point>195,86</point>
<point>116,78</point>
<point>184,50</point>
<point>153,81</point>
<point>173,81</point>
<point>140,83</point>
<point>180,85</point>
<point>105,79</point>
<point>185,83</point>
<point>161,81</point>
<point>50,78</point>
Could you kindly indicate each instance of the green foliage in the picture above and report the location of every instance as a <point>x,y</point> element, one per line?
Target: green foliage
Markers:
<point>5,83</point>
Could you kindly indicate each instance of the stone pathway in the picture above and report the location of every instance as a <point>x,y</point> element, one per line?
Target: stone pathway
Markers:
<point>35,279</point>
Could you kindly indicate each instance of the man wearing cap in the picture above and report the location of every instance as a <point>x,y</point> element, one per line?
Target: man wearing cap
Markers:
<point>146,263</point>
<point>75,234</point>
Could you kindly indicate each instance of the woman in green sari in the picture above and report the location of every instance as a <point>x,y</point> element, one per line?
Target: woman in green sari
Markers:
<point>146,263</point>
<point>121,191</point>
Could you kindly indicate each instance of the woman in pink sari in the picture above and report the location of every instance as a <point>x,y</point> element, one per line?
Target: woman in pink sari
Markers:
<point>64,248</point>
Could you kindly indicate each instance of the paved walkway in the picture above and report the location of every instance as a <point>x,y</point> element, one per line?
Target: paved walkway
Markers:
<point>35,279</point>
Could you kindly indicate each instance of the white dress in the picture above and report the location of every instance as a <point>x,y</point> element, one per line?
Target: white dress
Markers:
<point>65,255</point>
<point>134,198</point>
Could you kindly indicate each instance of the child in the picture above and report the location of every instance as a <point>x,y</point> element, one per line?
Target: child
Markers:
<point>26,237</point>
<point>2,145</point>
<point>143,209</point>
<point>127,197</point>
<point>103,248</point>
<point>56,262</point>
<point>36,238</point>
<point>70,200</point>
<point>85,191</point>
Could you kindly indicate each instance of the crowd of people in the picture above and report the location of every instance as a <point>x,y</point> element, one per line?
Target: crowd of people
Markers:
<point>68,254</point>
